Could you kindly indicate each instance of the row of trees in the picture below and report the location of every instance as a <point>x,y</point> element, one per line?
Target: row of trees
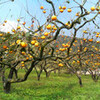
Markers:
<point>43,48</point>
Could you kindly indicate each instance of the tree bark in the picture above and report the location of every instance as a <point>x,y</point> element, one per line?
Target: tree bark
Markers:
<point>39,77</point>
<point>7,87</point>
<point>80,81</point>
<point>6,83</point>
<point>46,72</point>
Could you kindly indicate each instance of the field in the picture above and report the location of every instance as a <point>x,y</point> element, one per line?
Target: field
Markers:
<point>56,87</point>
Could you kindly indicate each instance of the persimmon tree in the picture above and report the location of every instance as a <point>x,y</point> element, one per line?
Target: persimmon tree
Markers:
<point>29,49</point>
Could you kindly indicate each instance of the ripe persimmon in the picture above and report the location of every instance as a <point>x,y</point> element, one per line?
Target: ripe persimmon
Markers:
<point>36,44</point>
<point>5,47</point>
<point>41,7</point>
<point>64,7</point>
<point>61,10</point>
<point>42,37</point>
<point>54,17</point>
<point>23,44</point>
<point>60,65</point>
<point>1,34</point>
<point>33,42</point>
<point>92,8</point>
<point>49,27</point>
<point>69,9</point>
<point>46,34</point>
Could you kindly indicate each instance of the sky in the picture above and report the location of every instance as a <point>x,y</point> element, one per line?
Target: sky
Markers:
<point>11,11</point>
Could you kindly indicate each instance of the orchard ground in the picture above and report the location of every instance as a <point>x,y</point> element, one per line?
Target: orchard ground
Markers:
<point>56,87</point>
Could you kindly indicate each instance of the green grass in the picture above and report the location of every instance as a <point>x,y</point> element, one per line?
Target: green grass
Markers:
<point>62,87</point>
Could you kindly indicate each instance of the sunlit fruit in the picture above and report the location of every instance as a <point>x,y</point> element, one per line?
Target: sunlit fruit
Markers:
<point>1,34</point>
<point>33,42</point>
<point>18,20</point>
<point>78,50</point>
<point>5,21</point>
<point>84,39</point>
<point>54,17</point>
<point>22,62</point>
<point>69,10</point>
<point>60,7</point>
<point>36,44</point>
<point>98,33</point>
<point>27,58</point>
<point>30,56</point>
<point>77,14</point>
<point>49,27</point>
<point>3,24</point>
<point>32,25</point>
<point>5,47</point>
<point>64,7</point>
<point>92,8</point>
<point>84,31</point>
<point>18,27</point>
<point>57,50</point>
<point>8,32</point>
<point>24,23</point>
<point>76,41</point>
<point>78,61</point>
<point>43,37</point>
<point>66,24</point>
<point>10,51</point>
<point>62,49</point>
<point>23,44</point>
<point>55,28</point>
<point>61,10</point>
<point>23,53</point>
<point>41,7</point>
<point>92,55</point>
<point>36,34</point>
<point>22,65</point>
<point>13,30</point>
<point>73,62</point>
<point>18,41</point>
<point>98,41</point>
<point>44,11</point>
<point>60,65</point>
<point>90,40</point>
<point>46,34</point>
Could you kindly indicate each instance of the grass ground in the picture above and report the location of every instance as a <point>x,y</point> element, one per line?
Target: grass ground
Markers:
<point>62,87</point>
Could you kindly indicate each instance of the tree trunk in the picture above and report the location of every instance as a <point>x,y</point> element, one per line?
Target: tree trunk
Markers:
<point>39,77</point>
<point>95,78</point>
<point>39,74</point>
<point>80,81</point>
<point>47,74</point>
<point>6,84</point>
<point>7,87</point>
